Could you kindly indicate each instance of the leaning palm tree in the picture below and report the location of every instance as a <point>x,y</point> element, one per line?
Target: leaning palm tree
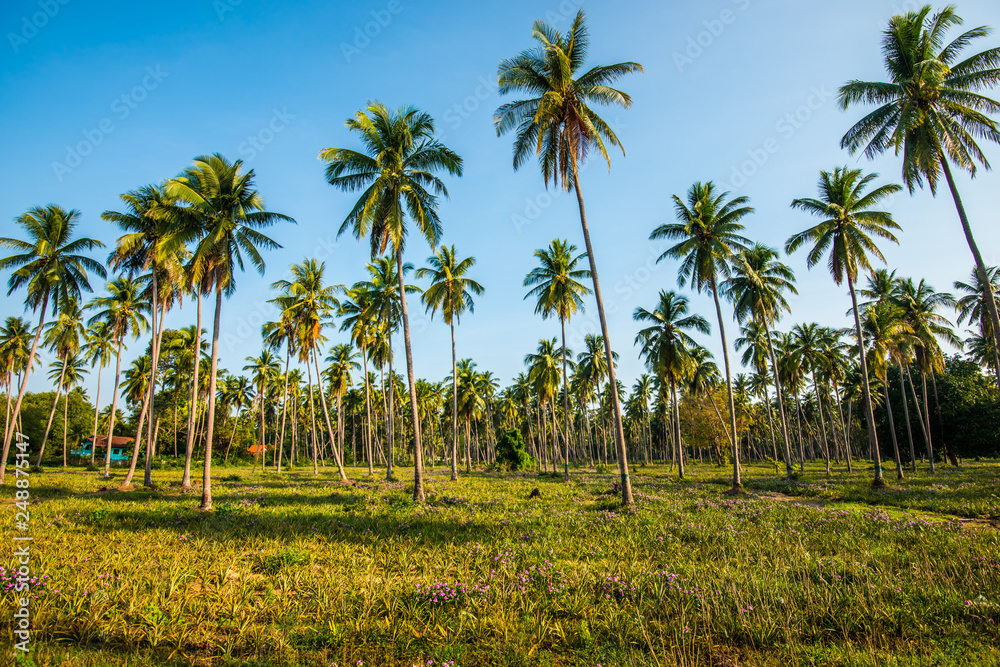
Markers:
<point>396,170</point>
<point>559,125</point>
<point>666,348</point>
<point>450,292</point>
<point>341,362</point>
<point>849,223</point>
<point>15,341</point>
<point>931,110</point>
<point>228,213</point>
<point>123,312</point>
<point>152,242</point>
<point>558,291</point>
<point>708,238</point>
<point>972,307</point>
<point>48,265</point>
<point>97,351</point>
<point>63,336</point>
<point>310,302</point>
<point>756,289</point>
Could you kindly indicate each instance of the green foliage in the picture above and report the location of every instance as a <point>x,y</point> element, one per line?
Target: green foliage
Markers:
<point>35,411</point>
<point>511,453</point>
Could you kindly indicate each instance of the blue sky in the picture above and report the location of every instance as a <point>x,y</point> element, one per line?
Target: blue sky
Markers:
<point>103,99</point>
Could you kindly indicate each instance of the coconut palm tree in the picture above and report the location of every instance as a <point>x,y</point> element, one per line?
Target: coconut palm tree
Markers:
<point>275,335</point>
<point>811,351</point>
<point>558,123</point>
<point>63,337</point>
<point>757,289</point>
<point>123,311</point>
<point>72,377</point>
<point>666,348</point>
<point>359,318</point>
<point>931,110</point>
<point>49,266</point>
<point>341,362</point>
<point>228,213</point>
<point>708,238</point>
<point>543,374</point>
<point>263,369</point>
<point>239,394</point>
<point>15,341</point>
<point>593,365</point>
<point>451,292</point>
<point>396,170</point>
<point>972,308</point>
<point>98,349</point>
<point>311,303</point>
<point>849,222</point>
<point>152,243</point>
<point>557,290</point>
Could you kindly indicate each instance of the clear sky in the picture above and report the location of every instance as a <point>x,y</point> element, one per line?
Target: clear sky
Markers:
<point>103,97</point>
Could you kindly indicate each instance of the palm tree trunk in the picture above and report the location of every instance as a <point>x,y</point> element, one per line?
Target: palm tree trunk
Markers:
<point>677,428</point>
<point>906,415</point>
<point>20,393</point>
<point>937,408</point>
<point>789,469</point>
<point>920,418</point>
<point>418,452</point>
<point>984,280</point>
<point>284,409</point>
<point>368,413</point>
<point>326,416</point>
<point>878,481</point>
<point>844,427</point>
<point>616,404</point>
<point>892,427</point>
<point>193,405</point>
<point>390,414</point>
<point>454,406</point>
<point>97,409</point>
<point>65,425</point>
<point>737,483</point>
<point>232,434</point>
<point>822,421</point>
<point>312,417</point>
<point>562,322</point>
<point>52,413</point>
<point>206,489</point>
<point>114,402</point>
<point>147,478</point>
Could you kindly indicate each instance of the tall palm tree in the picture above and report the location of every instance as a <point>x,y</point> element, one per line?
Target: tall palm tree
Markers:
<point>594,368</point>
<point>543,374</point>
<point>972,308</point>
<point>263,369</point>
<point>123,311</point>
<point>72,377</point>
<point>239,395</point>
<point>281,333</point>
<point>811,351</point>
<point>15,341</point>
<point>63,337</point>
<point>341,362</point>
<point>558,123</point>
<point>229,213</point>
<point>152,242</point>
<point>360,319</point>
<point>397,172</point>
<point>451,292</point>
<point>849,222</point>
<point>311,302</point>
<point>931,110</point>
<point>97,351</point>
<point>666,347</point>
<point>558,291</point>
<point>757,289</point>
<point>708,235</point>
<point>49,266</point>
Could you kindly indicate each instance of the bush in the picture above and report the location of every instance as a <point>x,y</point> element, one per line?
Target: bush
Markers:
<point>510,452</point>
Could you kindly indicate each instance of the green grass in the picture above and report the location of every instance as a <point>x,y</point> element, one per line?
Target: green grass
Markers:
<point>302,570</point>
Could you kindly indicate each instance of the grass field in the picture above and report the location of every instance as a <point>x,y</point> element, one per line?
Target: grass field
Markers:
<point>303,570</point>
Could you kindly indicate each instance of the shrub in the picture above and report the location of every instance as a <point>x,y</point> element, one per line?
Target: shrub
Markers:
<point>510,451</point>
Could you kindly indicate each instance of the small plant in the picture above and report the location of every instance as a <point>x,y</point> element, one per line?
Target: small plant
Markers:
<point>510,452</point>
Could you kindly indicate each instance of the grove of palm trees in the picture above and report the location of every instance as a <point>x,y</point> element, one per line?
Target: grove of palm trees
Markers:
<point>775,442</point>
